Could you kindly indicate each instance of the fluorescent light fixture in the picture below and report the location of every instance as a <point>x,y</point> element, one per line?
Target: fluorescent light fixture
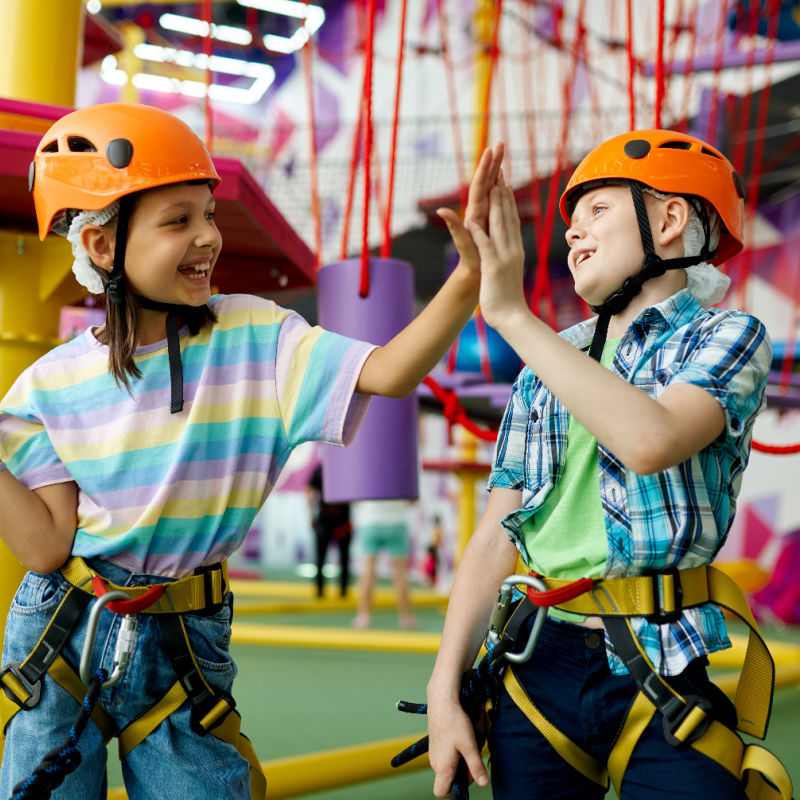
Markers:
<point>94,6</point>
<point>312,16</point>
<point>199,27</point>
<point>262,75</point>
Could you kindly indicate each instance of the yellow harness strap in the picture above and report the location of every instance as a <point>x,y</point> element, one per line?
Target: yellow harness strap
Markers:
<point>192,593</point>
<point>762,774</point>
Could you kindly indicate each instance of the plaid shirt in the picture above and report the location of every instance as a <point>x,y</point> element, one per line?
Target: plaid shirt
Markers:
<point>675,518</point>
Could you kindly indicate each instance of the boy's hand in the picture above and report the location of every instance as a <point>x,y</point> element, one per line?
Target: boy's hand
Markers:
<point>486,176</point>
<point>502,259</point>
<point>450,737</point>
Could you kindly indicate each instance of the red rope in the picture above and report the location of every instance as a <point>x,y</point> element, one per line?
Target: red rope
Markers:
<point>631,67</point>
<point>454,412</point>
<point>542,286</point>
<point>452,96</point>
<point>351,180</point>
<point>688,72</point>
<point>363,288</point>
<point>316,214</point>
<point>207,51</point>
<point>776,449</point>
<point>386,247</point>
<point>713,112</point>
<point>659,70</point>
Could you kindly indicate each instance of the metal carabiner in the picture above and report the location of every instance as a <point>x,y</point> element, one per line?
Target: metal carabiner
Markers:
<point>125,640</point>
<point>500,616</point>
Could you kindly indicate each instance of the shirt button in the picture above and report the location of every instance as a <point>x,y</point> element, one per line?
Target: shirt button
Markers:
<point>593,640</point>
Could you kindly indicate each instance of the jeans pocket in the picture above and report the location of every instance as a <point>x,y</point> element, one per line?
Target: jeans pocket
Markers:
<point>210,638</point>
<point>38,593</point>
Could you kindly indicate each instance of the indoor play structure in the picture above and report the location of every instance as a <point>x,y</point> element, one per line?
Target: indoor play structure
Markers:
<point>331,178</point>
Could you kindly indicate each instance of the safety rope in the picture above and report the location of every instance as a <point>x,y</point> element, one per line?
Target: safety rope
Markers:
<point>455,413</point>
<point>207,14</point>
<point>659,67</point>
<point>63,760</point>
<point>631,65</point>
<point>478,687</point>
<point>386,246</point>
<point>369,52</point>
<point>316,214</point>
<point>776,449</point>
<point>719,52</point>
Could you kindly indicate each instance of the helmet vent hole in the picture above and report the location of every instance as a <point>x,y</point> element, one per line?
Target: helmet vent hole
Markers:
<point>710,152</point>
<point>676,145</point>
<point>79,144</point>
<point>52,147</point>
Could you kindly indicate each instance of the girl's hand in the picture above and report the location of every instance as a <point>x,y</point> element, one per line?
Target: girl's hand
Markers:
<point>502,259</point>
<point>450,738</point>
<point>487,175</point>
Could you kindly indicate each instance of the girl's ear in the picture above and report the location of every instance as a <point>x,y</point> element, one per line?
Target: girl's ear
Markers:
<point>98,242</point>
<point>673,219</point>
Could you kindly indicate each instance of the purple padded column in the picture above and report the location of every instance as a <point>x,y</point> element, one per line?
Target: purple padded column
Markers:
<point>381,463</point>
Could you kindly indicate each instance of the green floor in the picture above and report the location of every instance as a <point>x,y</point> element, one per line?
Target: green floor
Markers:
<point>296,701</point>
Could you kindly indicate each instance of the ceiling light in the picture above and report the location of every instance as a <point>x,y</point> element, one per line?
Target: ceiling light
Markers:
<point>312,16</point>
<point>199,27</point>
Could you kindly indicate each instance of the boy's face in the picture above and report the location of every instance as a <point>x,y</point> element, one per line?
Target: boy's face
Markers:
<point>173,244</point>
<point>605,246</point>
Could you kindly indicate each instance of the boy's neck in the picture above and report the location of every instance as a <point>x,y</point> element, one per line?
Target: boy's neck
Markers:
<point>653,292</point>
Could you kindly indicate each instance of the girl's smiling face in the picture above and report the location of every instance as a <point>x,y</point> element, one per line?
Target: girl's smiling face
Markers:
<point>604,241</point>
<point>173,244</point>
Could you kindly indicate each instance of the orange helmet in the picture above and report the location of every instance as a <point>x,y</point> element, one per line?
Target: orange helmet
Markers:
<point>95,155</point>
<point>670,162</point>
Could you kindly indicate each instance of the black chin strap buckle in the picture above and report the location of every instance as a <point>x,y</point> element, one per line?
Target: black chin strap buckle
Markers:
<point>115,289</point>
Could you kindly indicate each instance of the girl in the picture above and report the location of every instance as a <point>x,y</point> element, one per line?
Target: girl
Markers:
<point>139,453</point>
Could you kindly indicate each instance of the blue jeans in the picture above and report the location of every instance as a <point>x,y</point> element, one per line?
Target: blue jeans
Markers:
<point>569,680</point>
<point>172,761</point>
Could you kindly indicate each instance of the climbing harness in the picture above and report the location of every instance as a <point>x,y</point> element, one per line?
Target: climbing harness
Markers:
<point>481,685</point>
<point>212,711</point>
<point>687,719</point>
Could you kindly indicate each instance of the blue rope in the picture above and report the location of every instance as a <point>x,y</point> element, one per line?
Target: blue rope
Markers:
<point>63,760</point>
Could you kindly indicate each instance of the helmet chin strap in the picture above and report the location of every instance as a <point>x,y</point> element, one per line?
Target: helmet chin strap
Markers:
<point>653,266</point>
<point>193,316</point>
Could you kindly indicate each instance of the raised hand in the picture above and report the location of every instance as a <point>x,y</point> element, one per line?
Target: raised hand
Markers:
<point>502,259</point>
<point>486,176</point>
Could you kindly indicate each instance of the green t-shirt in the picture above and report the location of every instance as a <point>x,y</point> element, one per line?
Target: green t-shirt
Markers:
<point>566,537</point>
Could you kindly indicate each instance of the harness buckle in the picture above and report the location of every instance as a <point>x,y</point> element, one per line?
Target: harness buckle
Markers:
<point>34,690</point>
<point>686,719</point>
<point>667,595</point>
<point>207,573</point>
<point>206,716</point>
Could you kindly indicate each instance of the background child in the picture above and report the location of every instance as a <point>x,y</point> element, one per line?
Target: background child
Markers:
<point>146,447</point>
<point>611,465</point>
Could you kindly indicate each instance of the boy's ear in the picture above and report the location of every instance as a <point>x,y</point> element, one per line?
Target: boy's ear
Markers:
<point>673,219</point>
<point>98,242</point>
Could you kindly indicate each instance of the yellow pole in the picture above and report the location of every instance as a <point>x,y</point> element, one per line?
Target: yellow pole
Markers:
<point>40,48</point>
<point>483,21</point>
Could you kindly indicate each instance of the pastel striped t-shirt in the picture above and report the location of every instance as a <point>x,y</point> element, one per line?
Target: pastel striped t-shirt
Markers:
<point>164,493</point>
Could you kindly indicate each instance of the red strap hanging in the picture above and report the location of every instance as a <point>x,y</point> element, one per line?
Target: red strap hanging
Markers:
<point>386,247</point>
<point>659,70</point>
<point>363,288</point>
<point>454,412</point>
<point>316,215</point>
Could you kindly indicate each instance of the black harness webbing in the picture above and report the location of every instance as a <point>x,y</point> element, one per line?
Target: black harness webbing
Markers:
<point>22,682</point>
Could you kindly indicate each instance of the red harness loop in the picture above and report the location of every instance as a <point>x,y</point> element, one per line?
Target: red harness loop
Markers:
<point>552,597</point>
<point>129,606</point>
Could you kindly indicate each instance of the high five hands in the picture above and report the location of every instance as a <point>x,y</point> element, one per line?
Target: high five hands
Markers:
<point>490,240</point>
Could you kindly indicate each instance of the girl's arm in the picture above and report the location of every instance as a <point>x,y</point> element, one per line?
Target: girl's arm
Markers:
<point>487,560</point>
<point>38,525</point>
<point>398,367</point>
<point>647,435</point>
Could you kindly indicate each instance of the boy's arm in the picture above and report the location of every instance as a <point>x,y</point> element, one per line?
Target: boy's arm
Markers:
<point>398,367</point>
<point>38,525</point>
<point>647,435</point>
<point>487,560</point>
